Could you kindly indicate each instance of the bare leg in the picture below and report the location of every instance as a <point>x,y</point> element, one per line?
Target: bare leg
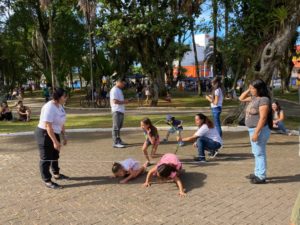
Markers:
<point>28,115</point>
<point>167,136</point>
<point>153,152</point>
<point>145,146</point>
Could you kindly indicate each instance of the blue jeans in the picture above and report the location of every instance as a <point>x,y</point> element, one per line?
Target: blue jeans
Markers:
<point>281,126</point>
<point>259,151</point>
<point>216,112</point>
<point>205,143</point>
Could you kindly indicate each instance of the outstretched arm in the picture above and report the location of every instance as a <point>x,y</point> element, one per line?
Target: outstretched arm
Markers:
<point>180,186</point>
<point>149,176</point>
<point>192,138</point>
<point>132,174</point>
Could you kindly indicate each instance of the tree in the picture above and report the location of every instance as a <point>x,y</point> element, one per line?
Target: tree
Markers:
<point>149,29</point>
<point>262,34</point>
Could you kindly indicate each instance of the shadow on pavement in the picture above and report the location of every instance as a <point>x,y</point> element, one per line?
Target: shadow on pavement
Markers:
<point>283,143</point>
<point>284,179</point>
<point>192,180</point>
<point>193,163</point>
<point>233,156</point>
<point>232,145</point>
<point>101,180</point>
<point>140,144</point>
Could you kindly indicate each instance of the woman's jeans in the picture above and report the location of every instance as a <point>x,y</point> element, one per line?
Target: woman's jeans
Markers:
<point>281,126</point>
<point>259,151</point>
<point>216,113</point>
<point>205,143</point>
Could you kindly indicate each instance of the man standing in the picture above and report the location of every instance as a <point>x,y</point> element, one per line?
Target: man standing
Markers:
<point>117,104</point>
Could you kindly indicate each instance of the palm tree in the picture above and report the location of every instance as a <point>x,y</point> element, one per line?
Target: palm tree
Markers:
<point>215,27</point>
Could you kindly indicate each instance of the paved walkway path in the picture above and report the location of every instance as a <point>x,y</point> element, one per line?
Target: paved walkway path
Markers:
<point>217,192</point>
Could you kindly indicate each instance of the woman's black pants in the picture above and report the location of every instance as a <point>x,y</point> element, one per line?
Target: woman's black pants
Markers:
<point>48,154</point>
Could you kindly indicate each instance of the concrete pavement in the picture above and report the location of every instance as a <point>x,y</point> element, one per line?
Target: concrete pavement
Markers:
<point>217,192</point>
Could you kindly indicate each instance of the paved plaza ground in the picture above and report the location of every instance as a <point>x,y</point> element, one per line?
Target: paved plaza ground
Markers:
<point>217,192</point>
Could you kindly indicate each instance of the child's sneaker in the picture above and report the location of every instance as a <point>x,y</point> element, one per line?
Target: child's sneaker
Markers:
<point>181,143</point>
<point>165,140</point>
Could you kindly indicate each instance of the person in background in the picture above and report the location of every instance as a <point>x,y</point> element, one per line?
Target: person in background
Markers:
<point>147,94</point>
<point>23,111</point>
<point>117,103</point>
<point>259,121</point>
<point>139,92</point>
<point>104,91</point>
<point>278,117</point>
<point>5,112</point>
<point>240,86</point>
<point>216,102</point>
<point>46,93</point>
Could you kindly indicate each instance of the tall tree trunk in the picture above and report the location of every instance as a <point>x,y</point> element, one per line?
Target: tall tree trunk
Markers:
<point>158,86</point>
<point>276,48</point>
<point>195,56</point>
<point>273,52</point>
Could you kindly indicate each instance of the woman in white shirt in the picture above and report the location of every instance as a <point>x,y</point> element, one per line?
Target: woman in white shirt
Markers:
<point>50,127</point>
<point>205,138</point>
<point>216,102</point>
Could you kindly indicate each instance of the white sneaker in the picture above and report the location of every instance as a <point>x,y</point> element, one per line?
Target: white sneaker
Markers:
<point>118,145</point>
<point>181,143</point>
<point>214,154</point>
<point>123,143</point>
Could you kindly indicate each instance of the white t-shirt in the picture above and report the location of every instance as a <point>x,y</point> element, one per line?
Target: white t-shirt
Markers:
<point>218,92</point>
<point>52,114</point>
<point>210,133</point>
<point>117,94</point>
<point>130,164</point>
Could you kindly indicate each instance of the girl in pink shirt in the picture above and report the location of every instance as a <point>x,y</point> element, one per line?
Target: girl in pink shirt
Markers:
<point>167,167</point>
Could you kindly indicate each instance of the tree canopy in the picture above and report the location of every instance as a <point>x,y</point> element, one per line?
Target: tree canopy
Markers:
<point>38,38</point>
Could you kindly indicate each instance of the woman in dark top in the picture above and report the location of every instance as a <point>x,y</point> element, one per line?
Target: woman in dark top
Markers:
<point>259,122</point>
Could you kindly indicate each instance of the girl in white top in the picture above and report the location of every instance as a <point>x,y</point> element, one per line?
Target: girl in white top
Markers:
<point>50,127</point>
<point>216,102</point>
<point>205,138</point>
<point>278,117</point>
<point>129,169</point>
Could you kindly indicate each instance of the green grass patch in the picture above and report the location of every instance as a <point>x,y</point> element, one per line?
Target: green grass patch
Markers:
<point>75,122</point>
<point>292,96</point>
